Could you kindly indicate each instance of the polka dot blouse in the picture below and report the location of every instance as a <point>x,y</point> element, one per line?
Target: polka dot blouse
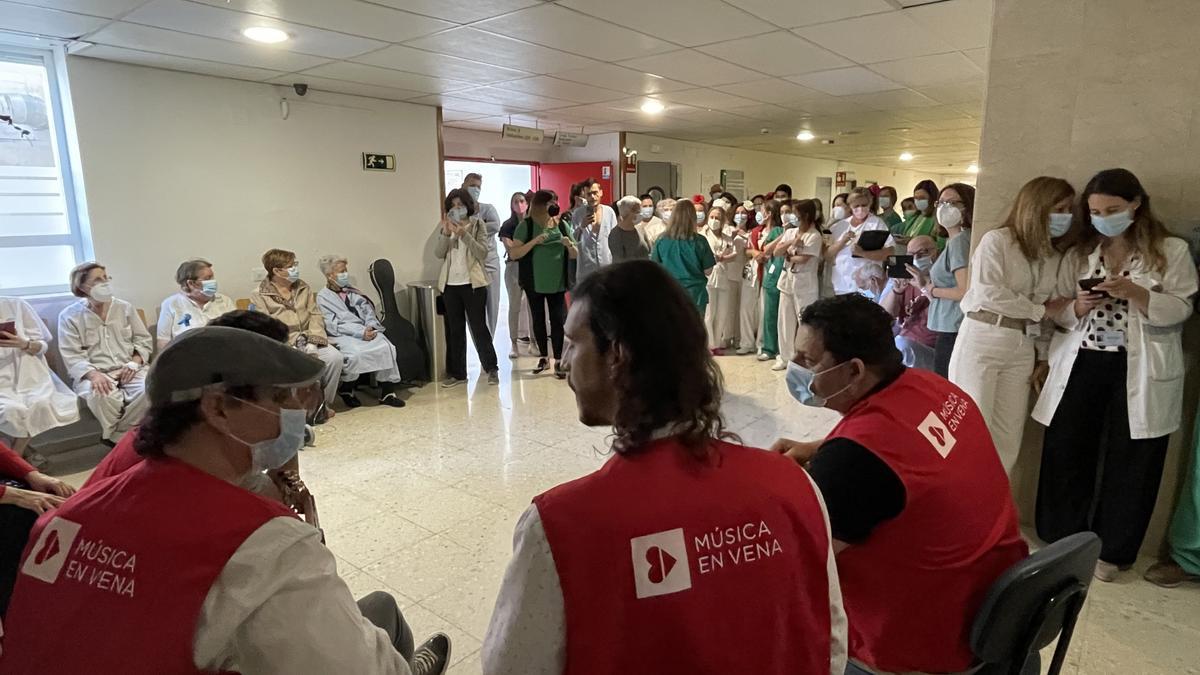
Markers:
<point>1111,315</point>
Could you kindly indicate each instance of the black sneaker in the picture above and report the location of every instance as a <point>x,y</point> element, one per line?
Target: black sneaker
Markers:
<point>392,400</point>
<point>451,382</point>
<point>494,377</point>
<point>350,400</point>
<point>559,371</point>
<point>543,364</point>
<point>432,657</point>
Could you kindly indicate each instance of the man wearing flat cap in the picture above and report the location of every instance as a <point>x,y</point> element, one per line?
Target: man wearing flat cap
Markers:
<point>170,567</point>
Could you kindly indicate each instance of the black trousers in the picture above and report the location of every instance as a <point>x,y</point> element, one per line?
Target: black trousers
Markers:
<point>15,524</point>
<point>1094,476</point>
<point>467,307</point>
<point>942,349</point>
<point>557,304</point>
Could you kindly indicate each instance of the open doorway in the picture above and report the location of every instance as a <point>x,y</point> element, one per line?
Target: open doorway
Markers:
<point>500,181</point>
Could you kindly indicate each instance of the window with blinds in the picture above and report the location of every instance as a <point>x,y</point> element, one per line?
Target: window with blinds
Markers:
<point>40,234</point>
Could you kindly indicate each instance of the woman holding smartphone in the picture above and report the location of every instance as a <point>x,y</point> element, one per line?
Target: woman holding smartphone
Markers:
<point>947,281</point>
<point>1114,393</point>
<point>1014,274</point>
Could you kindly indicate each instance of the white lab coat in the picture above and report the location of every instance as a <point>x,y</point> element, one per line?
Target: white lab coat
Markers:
<point>1153,342</point>
<point>32,398</point>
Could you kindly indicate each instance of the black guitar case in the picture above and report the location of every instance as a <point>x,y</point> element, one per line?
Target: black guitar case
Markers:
<point>411,356</point>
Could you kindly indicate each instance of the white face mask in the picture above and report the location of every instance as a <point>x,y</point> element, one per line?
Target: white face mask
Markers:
<point>647,212</point>
<point>949,215</point>
<point>714,224</point>
<point>699,217</point>
<point>839,213</point>
<point>474,192</point>
<point>740,219</point>
<point>101,292</point>
<point>457,214</point>
<point>791,219</point>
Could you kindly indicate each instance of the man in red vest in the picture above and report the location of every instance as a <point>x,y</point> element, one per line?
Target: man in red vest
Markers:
<point>685,553</point>
<point>922,517</point>
<point>170,567</point>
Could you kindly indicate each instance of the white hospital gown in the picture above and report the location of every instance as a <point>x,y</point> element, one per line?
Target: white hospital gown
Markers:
<point>32,398</point>
<point>180,313</point>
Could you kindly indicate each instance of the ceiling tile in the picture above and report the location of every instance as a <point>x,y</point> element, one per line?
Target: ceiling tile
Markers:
<point>162,41</point>
<point>105,8</point>
<point>771,90</point>
<point>978,56</point>
<point>940,112</point>
<point>780,53</point>
<point>879,37</point>
<point>399,57</point>
<point>845,81</point>
<point>560,28</point>
<point>889,100</point>
<point>50,22</point>
<point>696,22</point>
<point>516,97</point>
<point>595,113</point>
<point>222,24</point>
<point>763,111</point>
<point>459,11</point>
<point>788,15</point>
<point>926,71</point>
<point>704,98</point>
<point>177,63</point>
<point>545,85</point>
<point>347,16</point>
<point>469,105</point>
<point>965,24</point>
<point>689,66</point>
<point>449,115</point>
<point>385,77</point>
<point>620,78</point>
<point>469,43</point>
<point>963,91</point>
<point>343,87</point>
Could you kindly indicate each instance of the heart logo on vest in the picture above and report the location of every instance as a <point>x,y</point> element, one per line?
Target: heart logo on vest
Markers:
<point>49,548</point>
<point>661,564</point>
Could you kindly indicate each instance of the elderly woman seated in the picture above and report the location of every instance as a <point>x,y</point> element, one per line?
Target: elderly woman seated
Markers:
<point>354,328</point>
<point>284,296</point>
<point>105,347</point>
<point>196,303</point>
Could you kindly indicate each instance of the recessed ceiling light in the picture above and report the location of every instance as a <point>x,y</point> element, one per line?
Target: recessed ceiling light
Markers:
<point>906,157</point>
<point>974,168</point>
<point>653,107</point>
<point>805,135</point>
<point>265,34</point>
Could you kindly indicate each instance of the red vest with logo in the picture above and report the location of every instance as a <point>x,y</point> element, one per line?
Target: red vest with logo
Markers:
<point>113,581</point>
<point>670,564</point>
<point>912,589</point>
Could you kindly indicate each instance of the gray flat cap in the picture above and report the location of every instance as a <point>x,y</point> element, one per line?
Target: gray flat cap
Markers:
<point>233,357</point>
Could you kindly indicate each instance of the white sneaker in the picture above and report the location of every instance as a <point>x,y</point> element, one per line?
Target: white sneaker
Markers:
<point>762,356</point>
<point>1106,571</point>
<point>780,364</point>
<point>743,351</point>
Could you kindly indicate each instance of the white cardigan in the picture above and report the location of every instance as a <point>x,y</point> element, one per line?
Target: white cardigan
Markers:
<point>1153,341</point>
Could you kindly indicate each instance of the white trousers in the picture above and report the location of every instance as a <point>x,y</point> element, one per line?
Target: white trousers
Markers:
<point>119,410</point>
<point>749,313</point>
<point>518,304</point>
<point>786,326</point>
<point>331,374</point>
<point>719,314</point>
<point>493,301</point>
<point>993,365</point>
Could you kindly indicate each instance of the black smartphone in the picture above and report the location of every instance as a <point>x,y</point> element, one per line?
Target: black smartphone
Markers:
<point>9,327</point>
<point>1089,285</point>
<point>873,240</point>
<point>897,266</point>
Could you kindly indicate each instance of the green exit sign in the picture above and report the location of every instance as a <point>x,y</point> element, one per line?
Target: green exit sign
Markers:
<point>378,162</point>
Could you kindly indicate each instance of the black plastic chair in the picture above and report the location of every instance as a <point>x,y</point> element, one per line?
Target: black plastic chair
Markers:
<point>1033,602</point>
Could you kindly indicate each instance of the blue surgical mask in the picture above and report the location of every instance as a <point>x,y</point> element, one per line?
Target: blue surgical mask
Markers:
<point>923,263</point>
<point>667,215</point>
<point>1113,225</point>
<point>474,192</point>
<point>273,453</point>
<point>885,202</point>
<point>759,218</point>
<point>1060,223</point>
<point>740,219</point>
<point>457,214</point>
<point>922,204</point>
<point>800,381</point>
<point>343,279</point>
<point>647,212</point>
<point>699,217</point>
<point>209,288</point>
<point>293,274</point>
<point>791,219</point>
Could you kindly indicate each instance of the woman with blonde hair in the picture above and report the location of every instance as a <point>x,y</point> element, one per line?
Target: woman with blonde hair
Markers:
<point>685,253</point>
<point>1013,277</point>
<point>1115,390</point>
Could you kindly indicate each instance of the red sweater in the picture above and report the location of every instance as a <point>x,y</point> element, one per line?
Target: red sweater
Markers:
<point>12,466</point>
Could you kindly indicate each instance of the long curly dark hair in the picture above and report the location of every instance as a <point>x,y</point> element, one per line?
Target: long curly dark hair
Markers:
<point>670,379</point>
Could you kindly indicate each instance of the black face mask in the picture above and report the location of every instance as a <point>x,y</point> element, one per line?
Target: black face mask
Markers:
<point>553,210</point>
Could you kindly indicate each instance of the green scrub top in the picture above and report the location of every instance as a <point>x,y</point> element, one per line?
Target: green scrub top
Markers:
<point>774,265</point>
<point>549,257</point>
<point>686,260</point>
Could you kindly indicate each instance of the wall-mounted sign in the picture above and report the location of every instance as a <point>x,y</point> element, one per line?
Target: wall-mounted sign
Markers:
<point>517,133</point>
<point>606,172</point>
<point>631,163</point>
<point>377,162</point>
<point>840,178</point>
<point>570,138</point>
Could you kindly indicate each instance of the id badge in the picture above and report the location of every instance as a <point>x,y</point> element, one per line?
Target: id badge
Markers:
<point>1111,338</point>
<point>1033,330</point>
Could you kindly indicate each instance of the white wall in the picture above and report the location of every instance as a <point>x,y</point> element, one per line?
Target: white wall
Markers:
<point>701,166</point>
<point>179,165</point>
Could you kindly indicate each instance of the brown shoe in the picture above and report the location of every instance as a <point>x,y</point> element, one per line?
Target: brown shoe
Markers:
<point>1168,574</point>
